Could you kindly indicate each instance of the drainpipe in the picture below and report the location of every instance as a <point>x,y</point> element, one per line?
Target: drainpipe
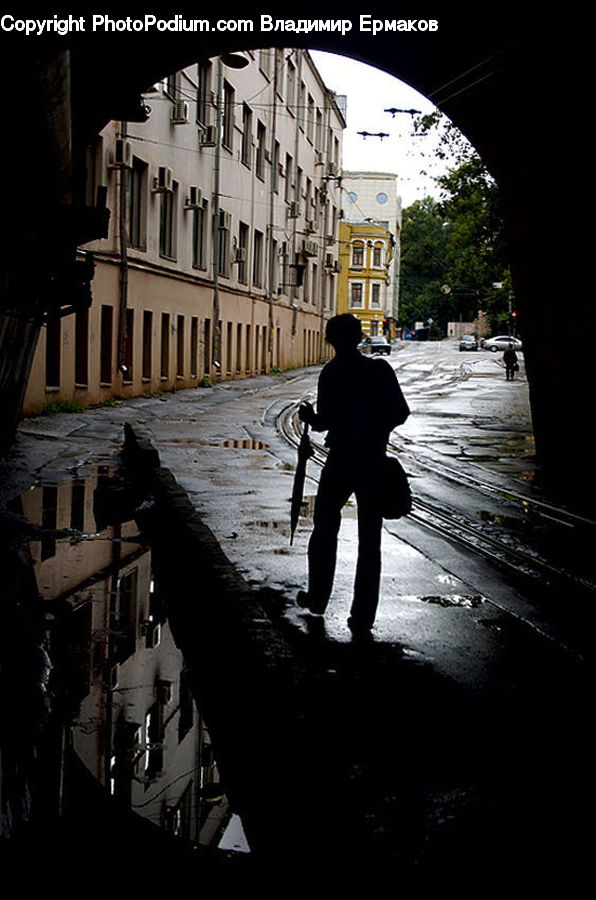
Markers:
<point>272,180</point>
<point>296,192</point>
<point>123,190</point>
<point>216,354</point>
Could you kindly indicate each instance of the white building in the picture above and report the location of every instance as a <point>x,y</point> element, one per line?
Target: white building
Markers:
<point>220,258</point>
<point>373,197</point>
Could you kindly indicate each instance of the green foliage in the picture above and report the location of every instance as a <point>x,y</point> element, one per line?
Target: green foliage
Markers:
<point>62,406</point>
<point>275,370</point>
<point>457,242</point>
<point>205,382</point>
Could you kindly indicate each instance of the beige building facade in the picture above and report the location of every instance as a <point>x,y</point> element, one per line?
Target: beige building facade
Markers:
<point>366,255</point>
<point>222,255</point>
<point>373,197</point>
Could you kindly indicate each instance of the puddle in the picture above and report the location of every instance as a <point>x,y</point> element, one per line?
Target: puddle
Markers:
<point>466,601</point>
<point>116,683</point>
<point>247,444</point>
<point>510,523</point>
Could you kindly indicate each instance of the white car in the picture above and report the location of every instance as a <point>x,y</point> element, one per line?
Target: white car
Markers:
<point>501,342</point>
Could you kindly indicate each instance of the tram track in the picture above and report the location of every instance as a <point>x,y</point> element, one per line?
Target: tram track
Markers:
<point>521,559</point>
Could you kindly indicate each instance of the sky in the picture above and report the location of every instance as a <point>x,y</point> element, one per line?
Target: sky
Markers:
<point>370,91</point>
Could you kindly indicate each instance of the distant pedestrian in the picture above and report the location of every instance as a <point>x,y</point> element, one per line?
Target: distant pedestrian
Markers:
<point>510,361</point>
<point>359,402</point>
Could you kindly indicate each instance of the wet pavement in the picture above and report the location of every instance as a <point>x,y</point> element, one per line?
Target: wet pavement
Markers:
<point>456,742</point>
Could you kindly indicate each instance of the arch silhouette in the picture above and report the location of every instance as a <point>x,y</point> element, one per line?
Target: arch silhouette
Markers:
<point>513,77</point>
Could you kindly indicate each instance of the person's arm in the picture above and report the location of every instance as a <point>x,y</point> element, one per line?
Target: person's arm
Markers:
<point>320,420</point>
<point>395,406</point>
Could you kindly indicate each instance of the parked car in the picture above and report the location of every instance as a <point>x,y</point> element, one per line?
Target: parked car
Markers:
<point>468,342</point>
<point>501,342</point>
<point>376,344</point>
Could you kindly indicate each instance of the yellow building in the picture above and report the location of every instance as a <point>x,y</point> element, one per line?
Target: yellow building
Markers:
<point>365,253</point>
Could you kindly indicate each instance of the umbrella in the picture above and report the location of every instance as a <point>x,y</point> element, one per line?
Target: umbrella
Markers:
<point>305,451</point>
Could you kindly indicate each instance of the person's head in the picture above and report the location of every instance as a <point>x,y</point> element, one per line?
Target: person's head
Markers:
<point>343,332</point>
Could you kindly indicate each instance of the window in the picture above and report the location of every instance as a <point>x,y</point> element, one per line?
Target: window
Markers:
<point>147,344</point>
<point>319,131</point>
<point>289,175</point>
<point>171,86</point>
<point>77,506</point>
<point>247,349</point>
<point>238,348</point>
<point>291,86</point>
<point>207,347</point>
<point>180,347</point>
<point>275,167</point>
<point>246,155</point>
<point>165,345</point>
<point>106,339</point>
<point>228,116</point>
<point>128,348</point>
<point>356,295</point>
<point>167,223</point>
<point>279,66</point>
<point>301,103</point>
<point>257,263</point>
<point>204,93</point>
<point>375,295</point>
<point>81,348</point>
<point>194,346</point>
<point>199,236</point>
<point>261,148</point>
<point>378,256</point>
<point>229,348</point>
<point>243,246</point>
<point>265,62</point>
<point>223,244</point>
<point>358,254</point>
<point>310,118</point>
<point>53,349</point>
<point>136,204</point>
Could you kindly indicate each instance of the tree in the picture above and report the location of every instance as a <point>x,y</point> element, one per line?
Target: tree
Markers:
<point>464,233</point>
<point>424,241</point>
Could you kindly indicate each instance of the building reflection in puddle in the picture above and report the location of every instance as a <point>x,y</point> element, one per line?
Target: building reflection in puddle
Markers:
<point>132,719</point>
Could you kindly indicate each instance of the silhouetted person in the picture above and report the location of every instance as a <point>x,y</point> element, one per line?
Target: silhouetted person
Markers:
<point>510,360</point>
<point>359,402</point>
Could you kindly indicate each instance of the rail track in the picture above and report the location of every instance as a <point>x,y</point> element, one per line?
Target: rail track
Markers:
<point>524,554</point>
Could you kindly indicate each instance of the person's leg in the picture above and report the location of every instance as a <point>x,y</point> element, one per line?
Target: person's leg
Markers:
<point>334,491</point>
<point>368,568</point>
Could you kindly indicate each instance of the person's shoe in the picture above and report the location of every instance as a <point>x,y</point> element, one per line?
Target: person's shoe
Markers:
<point>359,628</point>
<point>303,601</point>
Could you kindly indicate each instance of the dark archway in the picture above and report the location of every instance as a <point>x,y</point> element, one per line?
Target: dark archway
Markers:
<point>514,78</point>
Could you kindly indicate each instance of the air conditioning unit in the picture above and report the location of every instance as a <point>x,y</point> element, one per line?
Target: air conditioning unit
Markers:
<point>294,210</point>
<point>332,169</point>
<point>207,136</point>
<point>310,248</point>
<point>122,154</point>
<point>330,240</point>
<point>337,265</point>
<point>240,255</point>
<point>180,112</point>
<point>310,225</point>
<point>164,180</point>
<point>224,219</point>
<point>195,197</point>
